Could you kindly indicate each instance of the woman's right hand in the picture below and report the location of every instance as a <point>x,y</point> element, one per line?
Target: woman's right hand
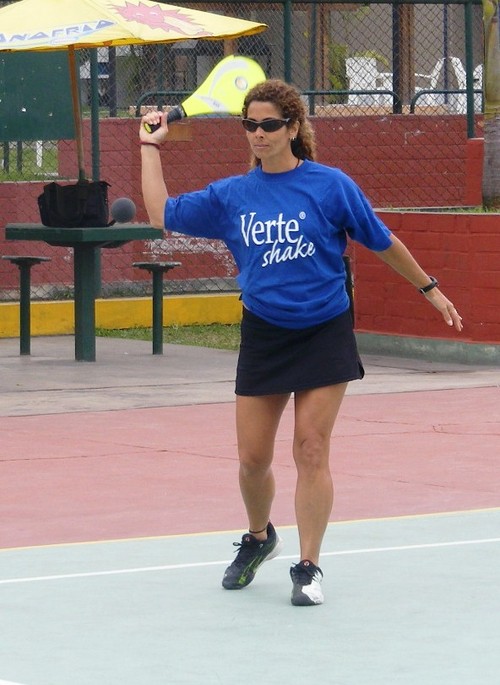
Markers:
<point>160,134</point>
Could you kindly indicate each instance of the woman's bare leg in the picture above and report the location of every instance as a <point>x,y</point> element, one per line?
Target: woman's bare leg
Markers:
<point>315,414</point>
<point>257,421</point>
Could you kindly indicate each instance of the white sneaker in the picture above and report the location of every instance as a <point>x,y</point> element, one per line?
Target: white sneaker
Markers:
<point>306,578</point>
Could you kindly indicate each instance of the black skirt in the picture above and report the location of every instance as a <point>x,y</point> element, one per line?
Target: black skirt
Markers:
<point>275,360</point>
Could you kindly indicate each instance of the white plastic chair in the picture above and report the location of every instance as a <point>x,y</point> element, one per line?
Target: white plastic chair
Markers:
<point>432,80</point>
<point>385,82</point>
<point>362,74</point>
<point>459,100</point>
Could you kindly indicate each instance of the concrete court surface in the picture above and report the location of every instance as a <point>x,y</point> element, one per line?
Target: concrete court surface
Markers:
<point>118,484</point>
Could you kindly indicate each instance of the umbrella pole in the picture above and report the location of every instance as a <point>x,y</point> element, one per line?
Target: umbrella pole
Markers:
<point>77,114</point>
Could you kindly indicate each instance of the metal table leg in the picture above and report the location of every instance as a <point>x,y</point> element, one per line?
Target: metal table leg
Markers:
<point>24,264</point>
<point>157,269</point>
<point>85,280</point>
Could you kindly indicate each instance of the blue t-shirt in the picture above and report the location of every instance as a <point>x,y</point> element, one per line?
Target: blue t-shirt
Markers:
<point>287,233</point>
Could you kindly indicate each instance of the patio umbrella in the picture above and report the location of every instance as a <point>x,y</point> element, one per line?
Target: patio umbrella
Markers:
<point>42,25</point>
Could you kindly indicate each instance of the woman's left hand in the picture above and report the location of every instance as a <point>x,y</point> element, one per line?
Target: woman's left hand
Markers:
<point>447,308</point>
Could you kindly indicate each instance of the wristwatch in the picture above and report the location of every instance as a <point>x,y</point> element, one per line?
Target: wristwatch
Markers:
<point>433,284</point>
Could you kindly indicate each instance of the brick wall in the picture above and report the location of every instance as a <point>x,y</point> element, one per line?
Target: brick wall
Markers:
<point>397,160</point>
<point>382,154</point>
<point>461,250</point>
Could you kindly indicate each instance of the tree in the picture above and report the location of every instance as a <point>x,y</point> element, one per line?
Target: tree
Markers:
<point>491,85</point>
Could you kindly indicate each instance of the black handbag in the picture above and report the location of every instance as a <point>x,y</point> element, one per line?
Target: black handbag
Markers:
<point>81,204</point>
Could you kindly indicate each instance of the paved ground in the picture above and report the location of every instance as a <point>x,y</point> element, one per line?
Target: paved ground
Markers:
<point>119,503</point>
<point>127,375</point>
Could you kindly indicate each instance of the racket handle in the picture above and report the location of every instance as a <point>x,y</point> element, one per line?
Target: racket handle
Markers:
<point>174,115</point>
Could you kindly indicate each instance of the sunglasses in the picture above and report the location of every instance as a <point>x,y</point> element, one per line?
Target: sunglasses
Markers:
<point>267,125</point>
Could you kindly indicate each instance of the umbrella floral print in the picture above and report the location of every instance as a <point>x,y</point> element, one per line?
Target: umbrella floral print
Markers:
<point>157,17</point>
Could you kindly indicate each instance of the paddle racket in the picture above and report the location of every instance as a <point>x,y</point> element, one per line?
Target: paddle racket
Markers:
<point>222,92</point>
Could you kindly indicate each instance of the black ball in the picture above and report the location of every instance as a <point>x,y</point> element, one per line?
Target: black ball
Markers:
<point>122,210</point>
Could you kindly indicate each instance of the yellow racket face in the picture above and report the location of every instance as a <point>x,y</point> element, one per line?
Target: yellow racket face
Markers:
<point>224,89</point>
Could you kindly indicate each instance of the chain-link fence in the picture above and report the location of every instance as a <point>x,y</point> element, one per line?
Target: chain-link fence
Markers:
<point>373,75</point>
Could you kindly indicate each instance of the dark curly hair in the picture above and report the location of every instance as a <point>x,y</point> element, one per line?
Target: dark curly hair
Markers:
<point>287,99</point>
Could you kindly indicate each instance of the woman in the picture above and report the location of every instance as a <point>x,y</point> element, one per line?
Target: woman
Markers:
<point>286,223</point>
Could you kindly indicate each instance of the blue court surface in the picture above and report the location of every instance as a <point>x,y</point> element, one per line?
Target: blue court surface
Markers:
<point>409,601</point>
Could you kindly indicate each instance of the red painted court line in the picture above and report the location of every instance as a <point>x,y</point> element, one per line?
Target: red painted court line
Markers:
<point>145,472</point>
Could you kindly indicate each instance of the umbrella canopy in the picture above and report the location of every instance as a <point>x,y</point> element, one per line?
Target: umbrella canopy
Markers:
<point>61,24</point>
<point>42,25</point>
